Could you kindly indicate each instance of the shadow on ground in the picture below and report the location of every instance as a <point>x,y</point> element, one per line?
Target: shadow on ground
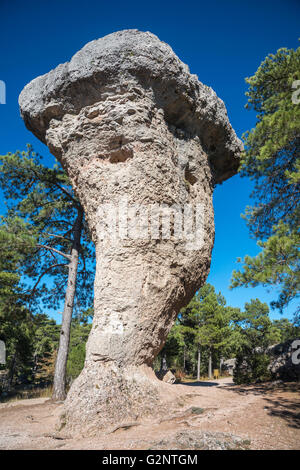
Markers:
<point>265,388</point>
<point>200,384</point>
<point>284,407</point>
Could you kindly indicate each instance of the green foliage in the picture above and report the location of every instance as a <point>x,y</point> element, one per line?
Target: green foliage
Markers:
<point>256,333</point>
<point>46,336</point>
<point>15,245</point>
<point>37,237</point>
<point>225,332</point>
<point>16,330</point>
<point>79,335</point>
<point>286,329</point>
<point>272,160</point>
<point>75,361</point>
<point>251,368</point>
<point>256,327</point>
<point>173,348</point>
<point>16,323</point>
<point>204,324</point>
<point>31,346</point>
<point>277,264</point>
<point>271,157</point>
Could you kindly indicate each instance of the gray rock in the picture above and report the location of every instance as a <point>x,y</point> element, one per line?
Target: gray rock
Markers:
<point>202,440</point>
<point>283,361</point>
<point>132,56</point>
<point>166,376</point>
<point>128,121</point>
<point>229,365</point>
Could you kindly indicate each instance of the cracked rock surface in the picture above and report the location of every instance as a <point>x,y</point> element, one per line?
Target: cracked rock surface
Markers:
<point>136,133</point>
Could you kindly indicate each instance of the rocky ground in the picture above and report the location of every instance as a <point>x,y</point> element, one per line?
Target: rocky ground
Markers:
<point>204,415</point>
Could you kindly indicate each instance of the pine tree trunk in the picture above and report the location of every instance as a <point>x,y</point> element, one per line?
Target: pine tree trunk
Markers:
<point>12,370</point>
<point>184,358</point>
<point>163,364</point>
<point>199,362</point>
<point>210,364</point>
<point>59,386</point>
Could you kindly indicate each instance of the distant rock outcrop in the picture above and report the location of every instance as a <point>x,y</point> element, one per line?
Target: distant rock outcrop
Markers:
<point>285,360</point>
<point>229,365</point>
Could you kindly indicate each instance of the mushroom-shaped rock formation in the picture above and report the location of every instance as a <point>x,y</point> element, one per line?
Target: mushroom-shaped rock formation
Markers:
<point>144,143</point>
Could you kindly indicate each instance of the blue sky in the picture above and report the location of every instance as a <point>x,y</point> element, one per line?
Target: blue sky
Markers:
<point>222,42</point>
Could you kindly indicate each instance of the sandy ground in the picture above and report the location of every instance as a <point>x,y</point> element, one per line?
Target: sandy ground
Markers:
<point>205,415</point>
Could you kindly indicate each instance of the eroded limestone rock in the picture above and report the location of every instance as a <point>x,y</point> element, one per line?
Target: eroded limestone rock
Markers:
<point>130,123</point>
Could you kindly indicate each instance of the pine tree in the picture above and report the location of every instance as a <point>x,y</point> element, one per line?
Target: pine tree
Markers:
<point>80,330</point>
<point>43,198</point>
<point>256,332</point>
<point>272,160</point>
<point>46,338</point>
<point>206,317</point>
<point>16,322</point>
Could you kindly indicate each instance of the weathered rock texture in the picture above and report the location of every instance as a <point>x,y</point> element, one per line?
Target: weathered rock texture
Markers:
<point>126,118</point>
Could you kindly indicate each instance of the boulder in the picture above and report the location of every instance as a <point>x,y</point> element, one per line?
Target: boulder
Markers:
<point>229,365</point>
<point>144,143</point>
<point>285,361</point>
<point>166,376</point>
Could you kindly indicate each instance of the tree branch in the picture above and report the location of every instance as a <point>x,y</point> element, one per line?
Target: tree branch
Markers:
<point>59,236</point>
<point>43,274</point>
<point>55,251</point>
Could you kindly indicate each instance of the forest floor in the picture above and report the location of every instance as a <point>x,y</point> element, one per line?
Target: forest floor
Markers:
<point>206,415</point>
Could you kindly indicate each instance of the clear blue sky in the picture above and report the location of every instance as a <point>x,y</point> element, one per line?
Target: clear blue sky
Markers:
<point>222,42</point>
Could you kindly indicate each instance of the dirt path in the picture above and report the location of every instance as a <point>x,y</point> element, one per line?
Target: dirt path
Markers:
<point>206,415</point>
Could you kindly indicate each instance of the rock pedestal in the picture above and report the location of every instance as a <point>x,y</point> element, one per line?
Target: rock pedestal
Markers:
<point>144,144</point>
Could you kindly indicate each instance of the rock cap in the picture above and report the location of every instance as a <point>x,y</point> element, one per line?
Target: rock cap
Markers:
<point>134,57</point>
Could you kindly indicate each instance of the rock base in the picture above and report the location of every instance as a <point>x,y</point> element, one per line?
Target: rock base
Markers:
<point>108,395</point>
